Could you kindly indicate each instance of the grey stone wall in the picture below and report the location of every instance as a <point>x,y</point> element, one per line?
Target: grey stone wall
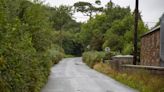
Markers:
<point>149,69</point>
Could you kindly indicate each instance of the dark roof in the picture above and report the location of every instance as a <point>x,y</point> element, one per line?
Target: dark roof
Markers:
<point>152,30</point>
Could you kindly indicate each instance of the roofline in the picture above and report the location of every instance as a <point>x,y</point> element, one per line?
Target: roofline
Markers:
<point>152,30</point>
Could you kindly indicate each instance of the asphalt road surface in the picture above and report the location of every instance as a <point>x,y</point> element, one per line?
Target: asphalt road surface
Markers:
<point>72,75</point>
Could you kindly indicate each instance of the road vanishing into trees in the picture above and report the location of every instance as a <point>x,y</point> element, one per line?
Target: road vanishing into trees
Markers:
<point>72,75</point>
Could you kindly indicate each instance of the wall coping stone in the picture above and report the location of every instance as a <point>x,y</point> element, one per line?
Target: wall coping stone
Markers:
<point>144,67</point>
<point>123,56</point>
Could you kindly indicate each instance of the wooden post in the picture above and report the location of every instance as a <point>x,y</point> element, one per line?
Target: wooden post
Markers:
<point>136,33</point>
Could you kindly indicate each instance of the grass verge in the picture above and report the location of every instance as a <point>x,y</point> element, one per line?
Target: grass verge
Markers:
<point>140,80</point>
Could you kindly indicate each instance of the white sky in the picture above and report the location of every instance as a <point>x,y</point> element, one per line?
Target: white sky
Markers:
<point>151,10</point>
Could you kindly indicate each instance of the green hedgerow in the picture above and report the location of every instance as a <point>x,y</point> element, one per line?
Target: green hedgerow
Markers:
<point>93,57</point>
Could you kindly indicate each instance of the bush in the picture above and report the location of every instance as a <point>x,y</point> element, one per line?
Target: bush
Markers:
<point>93,57</point>
<point>56,55</point>
<point>25,41</point>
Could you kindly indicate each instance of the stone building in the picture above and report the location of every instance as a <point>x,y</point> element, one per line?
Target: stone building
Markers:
<point>152,46</point>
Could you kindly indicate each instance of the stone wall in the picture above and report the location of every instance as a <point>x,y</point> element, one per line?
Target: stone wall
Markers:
<point>150,48</point>
<point>149,69</point>
<point>119,60</point>
<point>123,59</point>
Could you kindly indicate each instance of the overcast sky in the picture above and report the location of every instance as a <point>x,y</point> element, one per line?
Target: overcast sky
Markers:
<point>151,10</point>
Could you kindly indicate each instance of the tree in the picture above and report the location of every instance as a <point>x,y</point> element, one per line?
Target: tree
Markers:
<point>87,8</point>
<point>122,31</point>
<point>114,41</point>
<point>115,12</point>
<point>93,31</point>
<point>113,28</point>
<point>65,16</point>
<point>68,26</point>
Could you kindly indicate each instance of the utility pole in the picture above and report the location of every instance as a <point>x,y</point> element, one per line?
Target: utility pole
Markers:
<point>136,33</point>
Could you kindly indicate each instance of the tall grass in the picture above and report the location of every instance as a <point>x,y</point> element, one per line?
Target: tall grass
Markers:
<point>141,80</point>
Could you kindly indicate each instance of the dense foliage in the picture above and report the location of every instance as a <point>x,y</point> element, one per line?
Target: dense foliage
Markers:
<point>93,57</point>
<point>112,28</point>
<point>67,29</point>
<point>34,36</point>
<point>56,54</point>
<point>28,46</point>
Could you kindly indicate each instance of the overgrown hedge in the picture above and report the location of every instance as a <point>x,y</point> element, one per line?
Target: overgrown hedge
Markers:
<point>25,74</point>
<point>92,57</point>
<point>56,55</point>
<point>26,39</point>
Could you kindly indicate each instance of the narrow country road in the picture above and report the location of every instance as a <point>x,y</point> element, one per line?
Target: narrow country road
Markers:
<point>72,75</point>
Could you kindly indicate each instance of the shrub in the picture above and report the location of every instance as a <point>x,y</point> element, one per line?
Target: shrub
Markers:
<point>24,43</point>
<point>93,57</point>
<point>56,55</point>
